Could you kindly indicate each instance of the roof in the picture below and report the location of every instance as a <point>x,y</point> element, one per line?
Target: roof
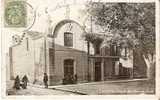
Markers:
<point>34,34</point>
<point>99,56</point>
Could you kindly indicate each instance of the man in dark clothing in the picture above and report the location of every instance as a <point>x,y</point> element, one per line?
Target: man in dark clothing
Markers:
<point>75,78</point>
<point>45,80</point>
<point>17,83</point>
<point>25,81</point>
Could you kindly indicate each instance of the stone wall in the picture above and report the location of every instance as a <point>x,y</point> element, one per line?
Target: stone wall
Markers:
<point>29,60</point>
<point>39,60</point>
<point>23,60</point>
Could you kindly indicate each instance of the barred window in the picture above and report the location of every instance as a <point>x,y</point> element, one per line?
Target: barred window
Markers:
<point>68,39</point>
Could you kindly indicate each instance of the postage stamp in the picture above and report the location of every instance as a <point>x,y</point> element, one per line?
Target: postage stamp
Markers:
<point>15,14</point>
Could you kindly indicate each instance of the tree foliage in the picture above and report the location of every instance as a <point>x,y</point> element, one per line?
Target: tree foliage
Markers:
<point>130,24</point>
<point>95,39</point>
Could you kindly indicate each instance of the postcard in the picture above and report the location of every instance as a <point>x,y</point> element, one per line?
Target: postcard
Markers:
<point>69,48</point>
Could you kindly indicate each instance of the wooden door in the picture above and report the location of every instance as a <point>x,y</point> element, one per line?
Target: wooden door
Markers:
<point>68,71</point>
<point>97,71</point>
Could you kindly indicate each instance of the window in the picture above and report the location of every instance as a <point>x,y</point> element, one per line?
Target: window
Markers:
<point>97,49</point>
<point>124,52</point>
<point>112,50</point>
<point>68,39</point>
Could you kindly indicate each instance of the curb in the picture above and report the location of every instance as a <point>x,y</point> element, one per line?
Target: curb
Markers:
<point>80,93</point>
<point>38,86</point>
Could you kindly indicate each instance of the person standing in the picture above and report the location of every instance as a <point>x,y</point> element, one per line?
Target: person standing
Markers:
<point>45,80</point>
<point>17,83</point>
<point>75,78</point>
<point>25,81</point>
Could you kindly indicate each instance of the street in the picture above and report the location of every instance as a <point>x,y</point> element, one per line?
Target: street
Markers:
<point>93,88</point>
<point>116,87</point>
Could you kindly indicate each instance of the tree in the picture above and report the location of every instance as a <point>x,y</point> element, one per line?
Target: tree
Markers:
<point>129,25</point>
<point>95,39</point>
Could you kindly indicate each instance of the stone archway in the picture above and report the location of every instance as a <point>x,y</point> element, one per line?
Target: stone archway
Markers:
<point>63,22</point>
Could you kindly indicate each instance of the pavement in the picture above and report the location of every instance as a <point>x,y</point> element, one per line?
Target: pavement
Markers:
<point>132,86</point>
<point>41,91</point>
<point>35,90</point>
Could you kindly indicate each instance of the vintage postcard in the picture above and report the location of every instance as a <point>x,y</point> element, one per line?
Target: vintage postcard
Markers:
<point>80,47</point>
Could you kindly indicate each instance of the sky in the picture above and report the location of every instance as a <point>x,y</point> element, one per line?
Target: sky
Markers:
<point>55,9</point>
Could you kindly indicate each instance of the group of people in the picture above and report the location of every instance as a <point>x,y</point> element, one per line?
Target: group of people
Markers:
<point>70,79</point>
<point>21,83</point>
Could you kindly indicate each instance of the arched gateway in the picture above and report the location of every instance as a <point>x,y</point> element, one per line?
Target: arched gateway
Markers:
<point>70,53</point>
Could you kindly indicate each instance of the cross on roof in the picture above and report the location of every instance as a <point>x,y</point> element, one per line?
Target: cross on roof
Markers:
<point>67,11</point>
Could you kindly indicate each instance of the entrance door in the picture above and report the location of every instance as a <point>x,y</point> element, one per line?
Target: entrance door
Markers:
<point>68,71</point>
<point>97,71</point>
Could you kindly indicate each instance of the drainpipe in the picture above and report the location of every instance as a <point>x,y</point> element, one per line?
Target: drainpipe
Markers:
<point>88,46</point>
<point>45,58</point>
<point>35,67</point>
<point>11,63</point>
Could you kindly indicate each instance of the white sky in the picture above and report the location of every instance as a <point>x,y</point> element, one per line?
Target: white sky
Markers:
<point>40,24</point>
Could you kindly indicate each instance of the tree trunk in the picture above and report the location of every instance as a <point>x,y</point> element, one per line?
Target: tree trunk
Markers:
<point>150,68</point>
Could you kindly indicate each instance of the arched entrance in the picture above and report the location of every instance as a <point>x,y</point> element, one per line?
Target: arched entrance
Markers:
<point>68,71</point>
